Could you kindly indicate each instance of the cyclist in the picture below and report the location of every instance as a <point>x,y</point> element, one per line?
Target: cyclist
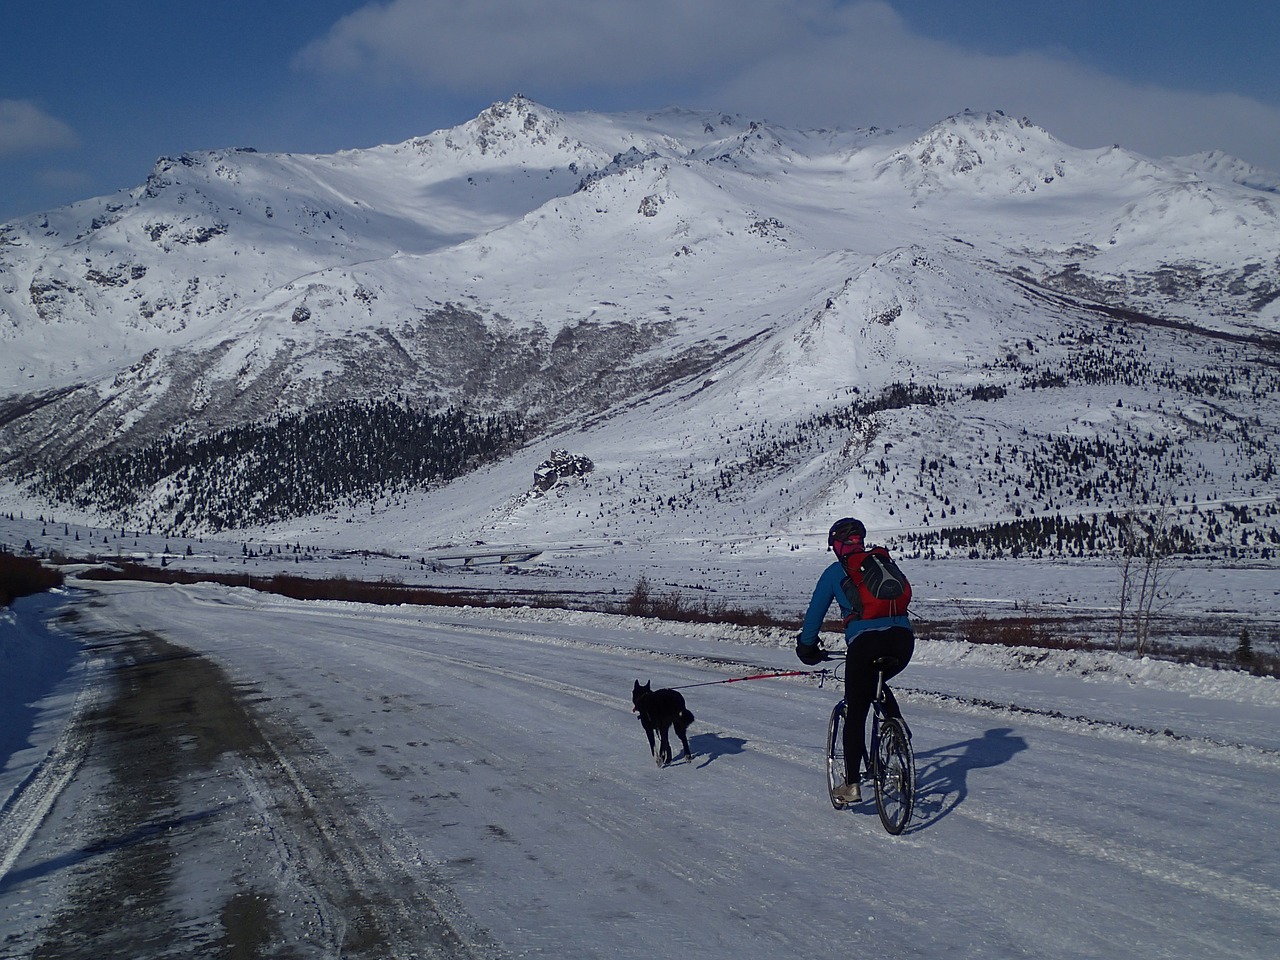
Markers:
<point>867,640</point>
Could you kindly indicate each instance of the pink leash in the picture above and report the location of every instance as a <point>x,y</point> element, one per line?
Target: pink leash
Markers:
<point>823,673</point>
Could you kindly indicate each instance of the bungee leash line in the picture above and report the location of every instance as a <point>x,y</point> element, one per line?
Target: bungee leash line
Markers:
<point>820,674</point>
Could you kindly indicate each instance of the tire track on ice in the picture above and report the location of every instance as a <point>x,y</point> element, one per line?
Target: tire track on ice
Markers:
<point>32,801</point>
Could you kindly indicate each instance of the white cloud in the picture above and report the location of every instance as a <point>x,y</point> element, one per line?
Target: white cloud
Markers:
<point>25,128</point>
<point>796,62</point>
<point>498,45</point>
<point>868,68</point>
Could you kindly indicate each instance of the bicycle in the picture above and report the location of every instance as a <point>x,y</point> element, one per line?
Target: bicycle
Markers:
<point>891,761</point>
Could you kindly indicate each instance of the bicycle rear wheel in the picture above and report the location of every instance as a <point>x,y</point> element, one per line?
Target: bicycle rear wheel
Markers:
<point>835,753</point>
<point>893,768</point>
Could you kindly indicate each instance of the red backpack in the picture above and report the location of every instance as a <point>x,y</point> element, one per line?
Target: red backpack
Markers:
<point>874,582</point>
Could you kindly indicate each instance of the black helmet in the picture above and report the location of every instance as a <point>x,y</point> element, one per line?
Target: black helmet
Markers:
<point>846,529</point>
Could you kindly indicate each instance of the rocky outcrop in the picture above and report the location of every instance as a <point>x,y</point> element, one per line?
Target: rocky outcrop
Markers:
<point>561,465</point>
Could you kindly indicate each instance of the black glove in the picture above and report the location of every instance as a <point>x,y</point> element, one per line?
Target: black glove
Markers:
<point>810,654</point>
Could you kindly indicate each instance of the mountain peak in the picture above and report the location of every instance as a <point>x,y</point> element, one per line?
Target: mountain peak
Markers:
<point>509,124</point>
<point>1220,165</point>
<point>517,112</point>
<point>969,139</point>
<point>990,150</point>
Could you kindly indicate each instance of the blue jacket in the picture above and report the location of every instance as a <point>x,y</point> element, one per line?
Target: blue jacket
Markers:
<point>828,589</point>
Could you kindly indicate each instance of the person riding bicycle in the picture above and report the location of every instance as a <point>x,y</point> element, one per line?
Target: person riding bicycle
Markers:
<point>867,639</point>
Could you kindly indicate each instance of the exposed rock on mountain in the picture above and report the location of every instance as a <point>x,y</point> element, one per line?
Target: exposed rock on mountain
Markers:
<point>561,465</point>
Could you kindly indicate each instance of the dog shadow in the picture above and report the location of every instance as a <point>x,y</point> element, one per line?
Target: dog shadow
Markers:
<point>708,747</point>
<point>942,774</point>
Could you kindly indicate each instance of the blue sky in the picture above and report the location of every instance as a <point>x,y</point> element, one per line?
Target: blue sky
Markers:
<point>93,91</point>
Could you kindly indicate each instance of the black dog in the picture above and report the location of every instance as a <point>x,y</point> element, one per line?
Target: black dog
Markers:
<point>660,710</point>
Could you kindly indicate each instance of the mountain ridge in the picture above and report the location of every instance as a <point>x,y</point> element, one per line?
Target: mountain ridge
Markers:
<point>572,269</point>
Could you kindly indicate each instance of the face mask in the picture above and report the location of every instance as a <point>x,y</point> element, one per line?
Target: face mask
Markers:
<point>843,548</point>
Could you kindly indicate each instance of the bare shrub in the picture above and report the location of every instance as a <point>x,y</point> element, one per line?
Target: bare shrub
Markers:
<point>674,605</point>
<point>23,576</point>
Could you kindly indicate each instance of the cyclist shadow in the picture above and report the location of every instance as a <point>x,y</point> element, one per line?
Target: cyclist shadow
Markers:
<point>942,779</point>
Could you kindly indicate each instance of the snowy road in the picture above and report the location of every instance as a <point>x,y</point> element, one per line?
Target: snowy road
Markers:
<point>485,770</point>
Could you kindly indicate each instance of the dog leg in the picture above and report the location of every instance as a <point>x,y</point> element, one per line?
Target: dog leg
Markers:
<point>684,741</point>
<point>664,754</point>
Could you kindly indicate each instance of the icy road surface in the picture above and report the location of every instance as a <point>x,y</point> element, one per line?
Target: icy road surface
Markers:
<point>249,776</point>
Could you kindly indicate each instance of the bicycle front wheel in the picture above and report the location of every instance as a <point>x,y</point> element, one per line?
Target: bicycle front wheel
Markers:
<point>835,753</point>
<point>894,772</point>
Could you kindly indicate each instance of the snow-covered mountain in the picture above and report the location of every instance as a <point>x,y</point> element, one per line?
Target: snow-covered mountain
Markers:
<point>742,327</point>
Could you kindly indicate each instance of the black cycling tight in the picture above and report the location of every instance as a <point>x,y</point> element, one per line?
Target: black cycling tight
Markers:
<point>860,686</point>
